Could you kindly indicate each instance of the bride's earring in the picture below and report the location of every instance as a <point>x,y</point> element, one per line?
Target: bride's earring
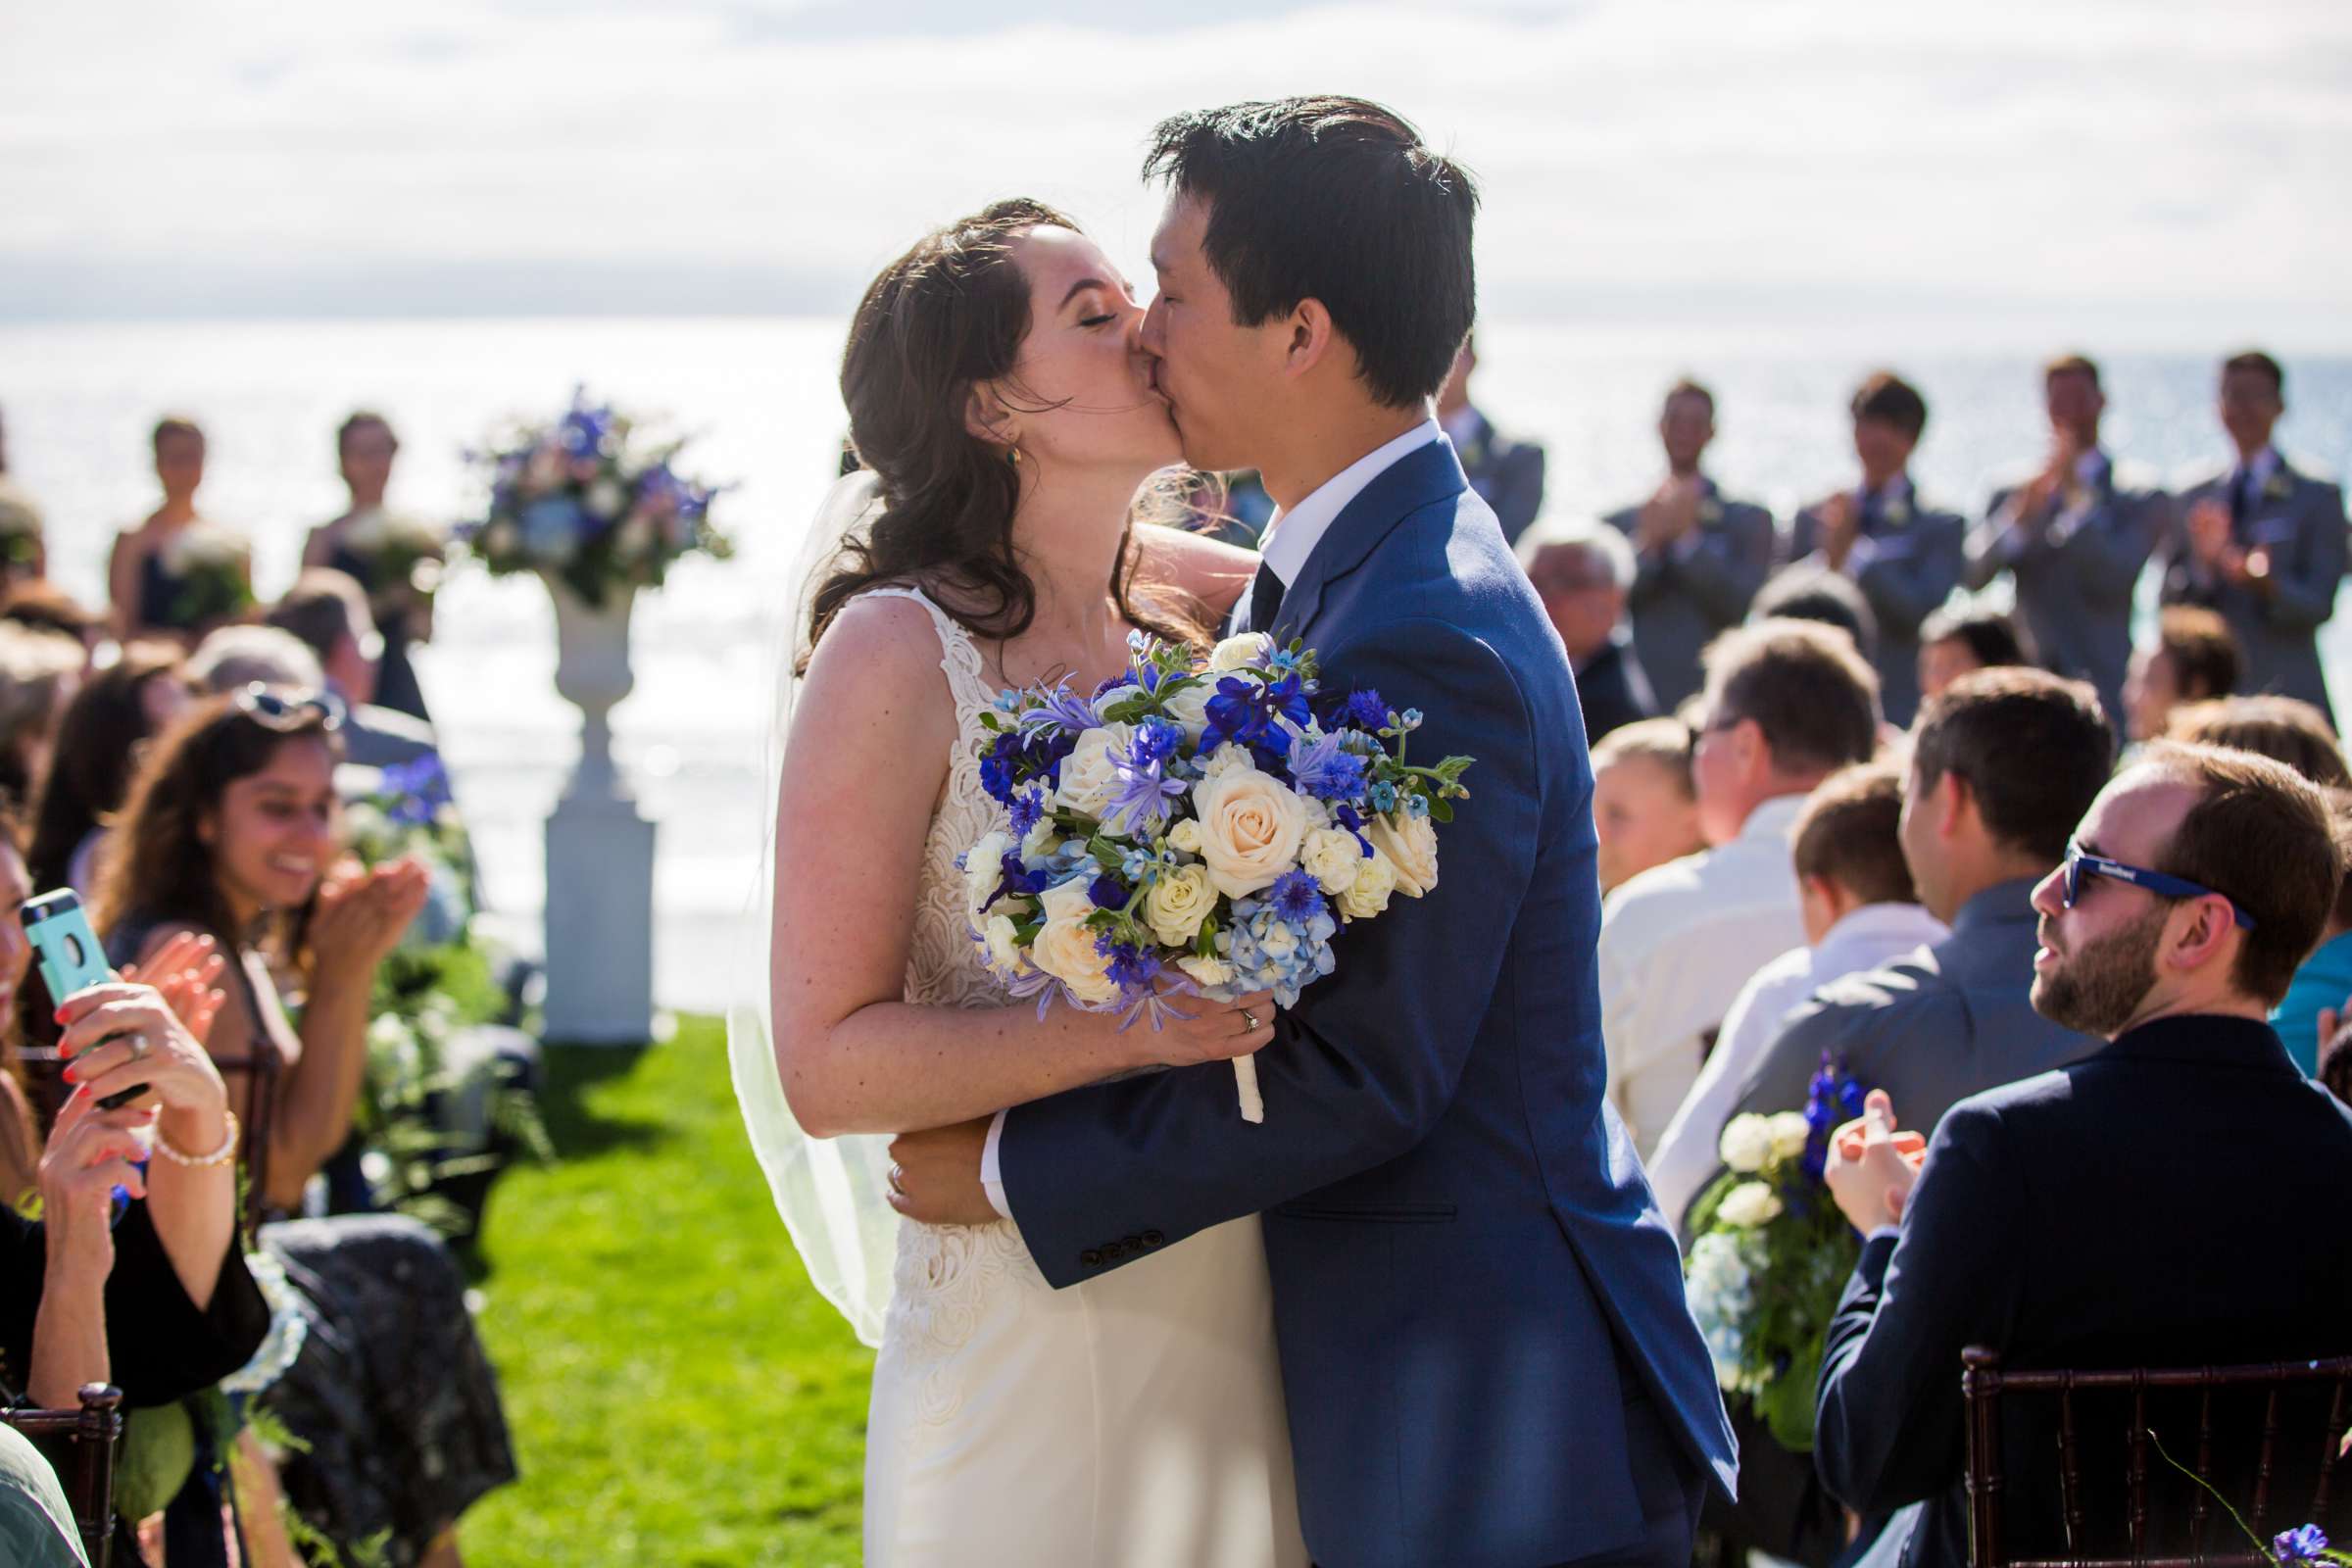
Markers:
<point>1012,455</point>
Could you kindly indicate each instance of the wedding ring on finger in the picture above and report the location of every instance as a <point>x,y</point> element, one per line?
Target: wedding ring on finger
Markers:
<point>1249,1020</point>
<point>139,1048</point>
<point>898,1180</point>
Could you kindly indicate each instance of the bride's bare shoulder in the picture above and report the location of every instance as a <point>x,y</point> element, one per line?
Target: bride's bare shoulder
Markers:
<point>880,647</point>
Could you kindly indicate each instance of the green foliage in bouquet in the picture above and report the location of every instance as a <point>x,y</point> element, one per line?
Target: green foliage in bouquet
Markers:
<point>212,567</point>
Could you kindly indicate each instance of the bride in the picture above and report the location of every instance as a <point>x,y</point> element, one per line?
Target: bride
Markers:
<point>1007,419</point>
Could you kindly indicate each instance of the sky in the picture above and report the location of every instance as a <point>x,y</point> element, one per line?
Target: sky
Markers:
<point>2156,172</point>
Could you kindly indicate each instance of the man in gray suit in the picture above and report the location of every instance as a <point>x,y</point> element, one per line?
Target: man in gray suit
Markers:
<point>1699,555</point>
<point>2261,542</point>
<point>2074,537</point>
<point>2003,766</point>
<point>1507,475</point>
<point>1905,557</point>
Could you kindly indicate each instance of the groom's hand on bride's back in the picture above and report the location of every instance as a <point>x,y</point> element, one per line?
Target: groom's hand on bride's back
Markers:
<point>935,1175</point>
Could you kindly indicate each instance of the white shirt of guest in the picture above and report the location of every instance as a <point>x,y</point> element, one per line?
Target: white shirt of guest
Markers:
<point>1677,944</point>
<point>1291,538</point>
<point>1863,938</point>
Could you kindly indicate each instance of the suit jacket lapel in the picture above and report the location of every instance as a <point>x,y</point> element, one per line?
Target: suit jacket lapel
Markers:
<point>1425,474</point>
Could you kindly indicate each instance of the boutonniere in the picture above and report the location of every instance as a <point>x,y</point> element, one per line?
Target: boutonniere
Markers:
<point>2277,487</point>
<point>1895,513</point>
<point>1710,510</point>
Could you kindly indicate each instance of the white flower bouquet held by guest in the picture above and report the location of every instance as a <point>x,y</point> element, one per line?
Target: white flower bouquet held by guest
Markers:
<point>1195,827</point>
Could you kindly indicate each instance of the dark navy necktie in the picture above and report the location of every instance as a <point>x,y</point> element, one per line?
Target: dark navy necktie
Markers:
<point>1265,598</point>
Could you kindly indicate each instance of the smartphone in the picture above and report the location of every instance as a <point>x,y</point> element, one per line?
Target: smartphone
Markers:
<point>70,958</point>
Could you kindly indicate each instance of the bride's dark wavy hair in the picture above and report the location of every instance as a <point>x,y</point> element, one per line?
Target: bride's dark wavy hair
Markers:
<point>942,318</point>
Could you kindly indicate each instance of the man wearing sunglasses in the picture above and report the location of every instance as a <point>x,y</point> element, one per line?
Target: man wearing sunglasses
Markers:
<point>2175,1200</point>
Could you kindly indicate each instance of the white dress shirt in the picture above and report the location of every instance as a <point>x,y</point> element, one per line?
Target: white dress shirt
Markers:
<point>1677,944</point>
<point>1290,537</point>
<point>1863,938</point>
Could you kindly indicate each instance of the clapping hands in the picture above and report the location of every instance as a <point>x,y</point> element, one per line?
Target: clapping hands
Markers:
<point>363,913</point>
<point>1669,515</point>
<point>1872,1168</point>
<point>1840,521</point>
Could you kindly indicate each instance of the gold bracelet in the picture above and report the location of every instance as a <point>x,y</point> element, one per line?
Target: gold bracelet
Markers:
<point>219,1156</point>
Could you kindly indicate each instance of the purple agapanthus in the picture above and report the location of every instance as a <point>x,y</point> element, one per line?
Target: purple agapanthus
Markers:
<point>1146,797</point>
<point>2306,1545</point>
<point>1060,710</point>
<point>1322,768</point>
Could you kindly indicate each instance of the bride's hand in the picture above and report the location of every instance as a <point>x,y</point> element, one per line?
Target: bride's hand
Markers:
<point>1217,1031</point>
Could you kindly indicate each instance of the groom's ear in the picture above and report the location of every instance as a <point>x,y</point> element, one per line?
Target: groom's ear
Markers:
<point>1310,339</point>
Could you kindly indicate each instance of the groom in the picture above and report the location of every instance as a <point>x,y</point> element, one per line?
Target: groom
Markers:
<point>1484,1349</point>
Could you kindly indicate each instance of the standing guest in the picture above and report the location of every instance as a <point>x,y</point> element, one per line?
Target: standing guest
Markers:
<point>2193,657</point>
<point>99,745</point>
<point>1507,475</point>
<point>39,674</point>
<point>2263,541</point>
<point>1860,910</point>
<point>1904,556</point>
<point>150,595</point>
<point>2191,1126</point>
<point>326,609</point>
<point>2074,539</point>
<point>1703,554</point>
<point>1786,704</point>
<point>1644,805</point>
<point>400,601</point>
<point>1581,571</point>
<point>1956,641</point>
<point>2002,766</point>
<point>2276,727</point>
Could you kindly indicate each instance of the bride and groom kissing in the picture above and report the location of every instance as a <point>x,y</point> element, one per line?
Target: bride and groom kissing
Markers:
<point>1426,1312</point>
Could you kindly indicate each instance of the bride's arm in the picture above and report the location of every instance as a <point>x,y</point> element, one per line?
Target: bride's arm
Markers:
<point>1192,564</point>
<point>871,733</point>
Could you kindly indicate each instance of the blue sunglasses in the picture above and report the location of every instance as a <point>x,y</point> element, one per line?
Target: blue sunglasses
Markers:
<point>2081,862</point>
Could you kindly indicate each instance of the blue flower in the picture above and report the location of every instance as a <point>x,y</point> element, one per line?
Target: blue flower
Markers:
<point>1107,892</point>
<point>416,790</point>
<point>1365,710</point>
<point>1295,897</point>
<point>1245,713</point>
<point>1156,741</point>
<point>1132,968</point>
<point>1384,796</point>
<point>1323,770</point>
<point>2299,1546</point>
<point>1063,710</point>
<point>997,766</point>
<point>1271,953</point>
<point>1027,807</point>
<point>1147,795</point>
<point>1019,881</point>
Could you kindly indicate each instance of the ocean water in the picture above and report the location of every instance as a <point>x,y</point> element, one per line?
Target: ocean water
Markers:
<point>759,397</point>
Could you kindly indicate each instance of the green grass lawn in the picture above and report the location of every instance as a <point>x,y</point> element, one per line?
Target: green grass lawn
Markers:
<point>677,1392</point>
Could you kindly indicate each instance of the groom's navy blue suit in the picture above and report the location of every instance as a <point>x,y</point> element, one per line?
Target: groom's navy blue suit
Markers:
<point>1465,1257</point>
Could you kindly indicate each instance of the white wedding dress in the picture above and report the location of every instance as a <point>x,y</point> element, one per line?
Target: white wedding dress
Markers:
<point>1131,1421</point>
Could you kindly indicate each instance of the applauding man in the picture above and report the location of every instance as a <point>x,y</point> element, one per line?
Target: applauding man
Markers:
<point>2174,1200</point>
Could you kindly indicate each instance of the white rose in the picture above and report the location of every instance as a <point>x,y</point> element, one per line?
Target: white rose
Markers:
<point>1224,760</point>
<point>1041,842</point>
<point>604,499</point>
<point>1090,780</point>
<point>1179,901</point>
<point>1208,973</point>
<point>1749,1205</point>
<point>1065,950</point>
<point>1411,844</point>
<point>1251,826</point>
<point>1189,710</point>
<point>1369,894</point>
<point>1790,1132</point>
<point>1184,837</point>
<point>1068,901</point>
<point>983,869</point>
<point>1237,652</point>
<point>1333,857</point>
<point>1746,1143</point>
<point>1004,946</point>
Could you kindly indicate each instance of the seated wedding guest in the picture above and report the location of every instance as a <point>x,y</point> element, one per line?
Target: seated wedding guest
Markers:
<point>1507,475</point>
<point>1644,805</point>
<point>147,593</point>
<point>2261,542</point>
<point>2073,537</point>
<point>39,674</point>
<point>237,656</point>
<point>45,607</point>
<point>328,612</point>
<point>2335,1065</point>
<point>1581,571</point>
<point>400,601</point>
<point>2193,657</point>
<point>2194,1159</point>
<point>2002,766</point>
<point>1860,910</point>
<point>1905,556</point>
<point>2277,727</point>
<point>2306,1017</point>
<point>1786,704</point>
<point>1807,591</point>
<point>1954,641</point>
<point>1703,555</point>
<point>230,832</point>
<point>99,744</point>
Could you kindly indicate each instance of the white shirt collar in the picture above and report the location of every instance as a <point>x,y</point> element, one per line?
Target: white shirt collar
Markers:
<point>1292,536</point>
<point>1774,819</point>
<point>2090,468</point>
<point>1875,926</point>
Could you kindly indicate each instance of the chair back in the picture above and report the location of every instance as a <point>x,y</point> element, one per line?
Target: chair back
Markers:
<point>1986,1387</point>
<point>88,1437</point>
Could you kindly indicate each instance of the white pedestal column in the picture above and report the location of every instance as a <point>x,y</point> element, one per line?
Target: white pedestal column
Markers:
<point>600,850</point>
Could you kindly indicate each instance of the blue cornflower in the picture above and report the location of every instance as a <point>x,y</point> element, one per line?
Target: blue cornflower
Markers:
<point>1156,741</point>
<point>1325,770</point>
<point>1365,710</point>
<point>1107,892</point>
<point>1027,808</point>
<point>1295,897</point>
<point>2299,1546</point>
<point>1132,968</point>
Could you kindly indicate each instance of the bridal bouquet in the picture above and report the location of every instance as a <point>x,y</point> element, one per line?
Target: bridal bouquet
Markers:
<point>1771,1255</point>
<point>1194,828</point>
<point>592,500</point>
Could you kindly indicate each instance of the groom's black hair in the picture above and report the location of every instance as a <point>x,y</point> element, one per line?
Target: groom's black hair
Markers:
<point>1335,199</point>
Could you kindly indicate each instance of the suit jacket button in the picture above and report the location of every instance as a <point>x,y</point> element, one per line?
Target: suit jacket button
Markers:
<point>1131,1243</point>
<point>1091,1259</point>
<point>1154,1239</point>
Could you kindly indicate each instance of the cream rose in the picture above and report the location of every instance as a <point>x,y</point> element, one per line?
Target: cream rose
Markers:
<point>1184,837</point>
<point>1067,900</point>
<point>1748,1204</point>
<point>1066,947</point>
<point>1746,1144</point>
<point>1790,1132</point>
<point>1411,845</point>
<point>1240,651</point>
<point>983,869</point>
<point>1179,901</point>
<point>1188,709</point>
<point>1208,973</point>
<point>1333,857</point>
<point>1369,894</point>
<point>1090,779</point>
<point>1251,826</point>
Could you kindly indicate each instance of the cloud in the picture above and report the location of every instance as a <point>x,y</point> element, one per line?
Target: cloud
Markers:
<point>657,157</point>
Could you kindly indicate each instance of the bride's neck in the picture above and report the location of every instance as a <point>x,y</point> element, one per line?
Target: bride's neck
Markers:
<point>1068,530</point>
